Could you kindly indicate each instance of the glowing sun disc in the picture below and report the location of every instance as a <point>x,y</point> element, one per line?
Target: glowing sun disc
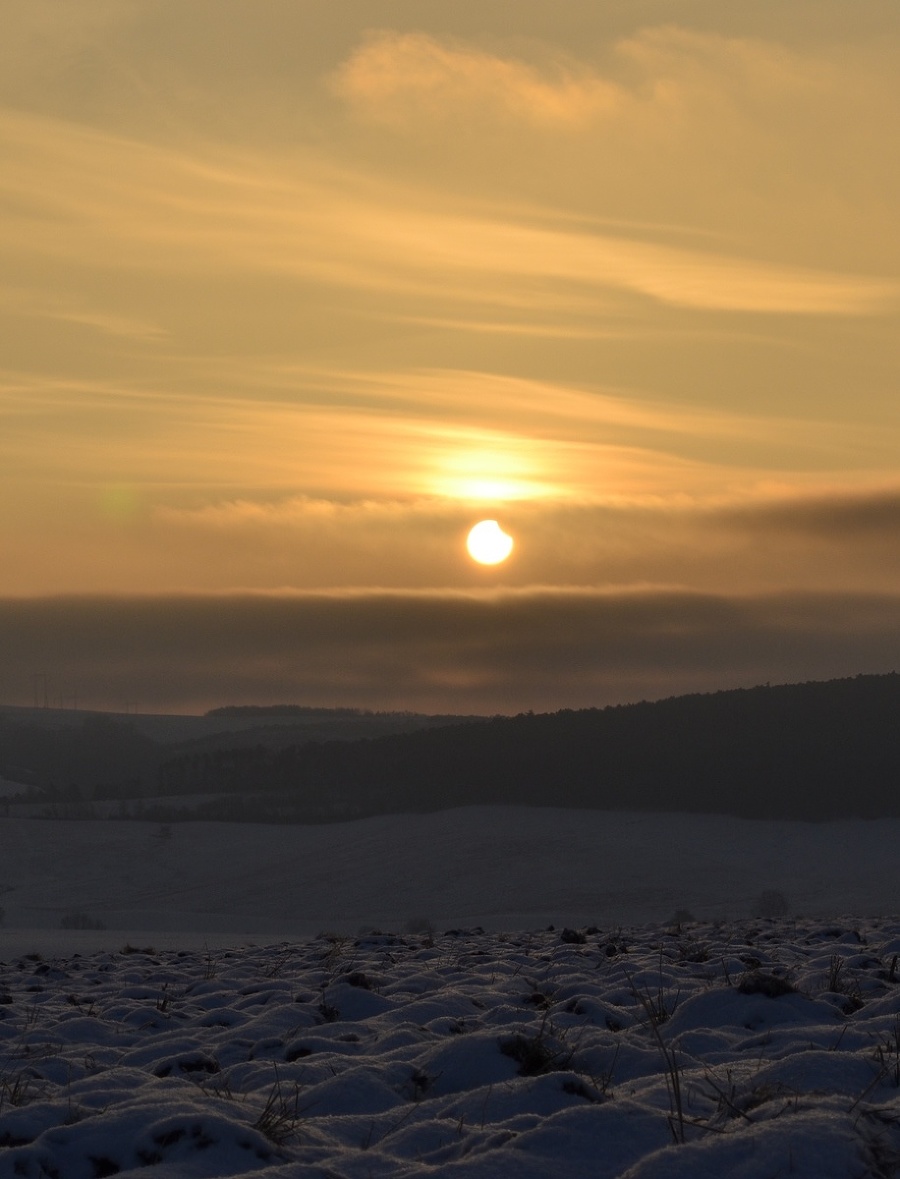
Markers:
<point>488,544</point>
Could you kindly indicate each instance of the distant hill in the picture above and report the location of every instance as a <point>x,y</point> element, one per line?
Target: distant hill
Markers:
<point>223,724</point>
<point>805,751</point>
<point>72,755</point>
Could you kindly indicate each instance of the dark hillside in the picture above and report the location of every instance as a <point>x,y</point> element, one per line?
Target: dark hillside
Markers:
<point>805,751</point>
<point>72,756</point>
<point>93,756</point>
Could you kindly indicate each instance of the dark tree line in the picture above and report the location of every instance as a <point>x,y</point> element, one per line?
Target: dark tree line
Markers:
<point>78,757</point>
<point>807,751</point>
<point>97,758</point>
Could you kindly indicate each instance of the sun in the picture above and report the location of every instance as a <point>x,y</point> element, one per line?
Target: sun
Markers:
<point>488,544</point>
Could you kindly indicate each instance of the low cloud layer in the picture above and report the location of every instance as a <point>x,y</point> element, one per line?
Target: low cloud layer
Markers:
<point>500,652</point>
<point>112,540</point>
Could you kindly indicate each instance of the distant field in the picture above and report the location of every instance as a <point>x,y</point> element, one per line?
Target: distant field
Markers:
<point>501,867</point>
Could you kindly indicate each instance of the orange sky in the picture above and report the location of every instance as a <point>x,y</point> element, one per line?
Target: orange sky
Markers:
<point>293,294</point>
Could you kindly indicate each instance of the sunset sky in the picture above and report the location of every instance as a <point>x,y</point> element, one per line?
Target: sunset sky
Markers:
<point>294,292</point>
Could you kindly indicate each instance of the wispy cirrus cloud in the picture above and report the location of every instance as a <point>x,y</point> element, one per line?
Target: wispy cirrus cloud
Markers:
<point>41,305</point>
<point>767,139</point>
<point>119,202</point>
<point>261,431</point>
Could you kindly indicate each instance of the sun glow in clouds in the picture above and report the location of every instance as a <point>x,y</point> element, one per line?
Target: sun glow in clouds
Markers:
<point>488,544</point>
<point>472,463</point>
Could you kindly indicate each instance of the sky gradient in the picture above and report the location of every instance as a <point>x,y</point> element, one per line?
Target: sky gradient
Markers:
<point>292,294</point>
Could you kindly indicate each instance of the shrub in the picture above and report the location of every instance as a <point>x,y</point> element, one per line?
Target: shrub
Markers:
<point>573,937</point>
<point>755,982</point>
<point>537,1054</point>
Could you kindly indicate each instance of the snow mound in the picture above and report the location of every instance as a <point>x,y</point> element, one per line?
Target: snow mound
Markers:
<point>746,1049</point>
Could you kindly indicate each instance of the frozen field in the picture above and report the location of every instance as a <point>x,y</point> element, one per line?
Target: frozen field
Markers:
<point>747,1049</point>
<point>196,884</point>
<point>257,1025</point>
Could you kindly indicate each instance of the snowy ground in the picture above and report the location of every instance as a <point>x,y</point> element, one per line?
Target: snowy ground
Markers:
<point>195,884</point>
<point>747,1049</point>
<point>207,1030</point>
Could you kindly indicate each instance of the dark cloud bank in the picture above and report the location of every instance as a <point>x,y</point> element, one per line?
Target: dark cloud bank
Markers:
<point>508,652</point>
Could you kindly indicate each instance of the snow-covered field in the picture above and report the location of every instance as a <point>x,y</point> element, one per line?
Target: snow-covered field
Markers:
<point>238,1015</point>
<point>192,884</point>
<point>750,1049</point>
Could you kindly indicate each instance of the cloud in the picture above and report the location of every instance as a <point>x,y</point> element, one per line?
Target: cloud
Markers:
<point>122,203</point>
<point>776,140</point>
<point>659,72</point>
<point>500,651</point>
<point>35,304</point>
<point>756,545</point>
<point>706,61</point>
<point>854,520</point>
<point>312,478</point>
<point>396,76</point>
<point>257,342</point>
<point>554,409</point>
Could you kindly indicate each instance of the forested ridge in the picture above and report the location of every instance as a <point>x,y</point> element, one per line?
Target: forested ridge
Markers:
<point>805,751</point>
<point>802,751</point>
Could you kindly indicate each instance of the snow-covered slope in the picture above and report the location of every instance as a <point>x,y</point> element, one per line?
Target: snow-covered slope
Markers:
<point>169,1046</point>
<point>749,1050</point>
<point>501,867</point>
